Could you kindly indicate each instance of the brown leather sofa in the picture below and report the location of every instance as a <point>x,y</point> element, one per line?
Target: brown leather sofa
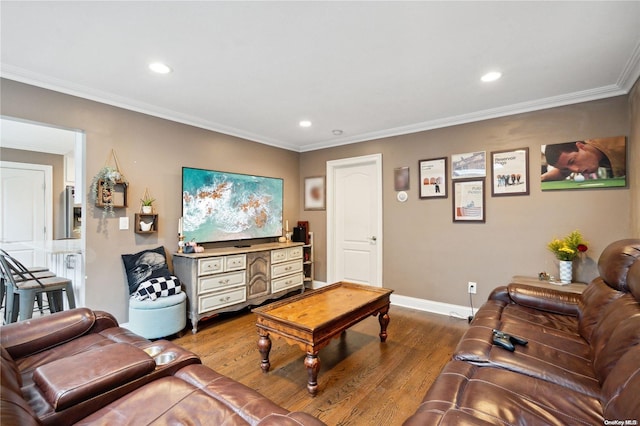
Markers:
<point>79,367</point>
<point>581,365</point>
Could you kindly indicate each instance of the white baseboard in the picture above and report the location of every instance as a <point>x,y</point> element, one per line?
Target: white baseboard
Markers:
<point>448,309</point>
<point>457,311</point>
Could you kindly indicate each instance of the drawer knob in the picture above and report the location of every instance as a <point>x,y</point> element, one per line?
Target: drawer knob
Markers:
<point>225,299</point>
<point>224,281</point>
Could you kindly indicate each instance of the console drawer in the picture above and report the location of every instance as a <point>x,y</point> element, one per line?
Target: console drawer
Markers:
<point>282,255</point>
<point>287,268</point>
<point>294,253</point>
<point>217,282</point>
<point>288,282</point>
<point>235,262</point>
<point>278,255</point>
<point>210,265</point>
<point>213,301</point>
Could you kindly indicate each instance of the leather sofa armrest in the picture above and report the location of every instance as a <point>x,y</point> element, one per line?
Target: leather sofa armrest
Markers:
<point>69,381</point>
<point>545,299</point>
<point>35,335</point>
<point>104,320</point>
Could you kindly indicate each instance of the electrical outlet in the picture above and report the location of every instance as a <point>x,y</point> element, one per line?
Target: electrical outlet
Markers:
<point>472,287</point>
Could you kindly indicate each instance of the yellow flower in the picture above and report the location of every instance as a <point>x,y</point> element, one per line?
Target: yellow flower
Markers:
<point>569,247</point>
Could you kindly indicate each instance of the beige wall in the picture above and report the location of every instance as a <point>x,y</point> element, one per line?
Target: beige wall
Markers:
<point>427,256</point>
<point>634,159</point>
<point>57,164</point>
<point>151,152</point>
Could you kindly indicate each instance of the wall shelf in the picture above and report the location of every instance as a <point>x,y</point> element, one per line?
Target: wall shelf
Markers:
<point>143,217</point>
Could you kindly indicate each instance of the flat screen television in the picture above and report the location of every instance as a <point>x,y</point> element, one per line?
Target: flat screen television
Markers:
<point>221,206</point>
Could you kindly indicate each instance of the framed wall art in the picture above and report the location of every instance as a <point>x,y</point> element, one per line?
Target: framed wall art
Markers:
<point>469,201</point>
<point>469,165</point>
<point>586,164</point>
<point>432,178</point>
<point>314,193</point>
<point>510,172</point>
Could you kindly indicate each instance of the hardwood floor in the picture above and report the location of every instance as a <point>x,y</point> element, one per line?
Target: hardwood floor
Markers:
<point>361,381</point>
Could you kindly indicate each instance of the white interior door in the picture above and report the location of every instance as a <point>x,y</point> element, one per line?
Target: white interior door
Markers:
<point>354,220</point>
<point>25,214</point>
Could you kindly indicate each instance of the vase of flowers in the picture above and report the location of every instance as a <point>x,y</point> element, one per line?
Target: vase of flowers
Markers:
<point>566,251</point>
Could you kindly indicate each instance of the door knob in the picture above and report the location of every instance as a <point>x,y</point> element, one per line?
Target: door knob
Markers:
<point>374,238</point>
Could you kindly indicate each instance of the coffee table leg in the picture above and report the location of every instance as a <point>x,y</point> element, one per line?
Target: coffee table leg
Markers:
<point>383,319</point>
<point>264,346</point>
<point>312,362</point>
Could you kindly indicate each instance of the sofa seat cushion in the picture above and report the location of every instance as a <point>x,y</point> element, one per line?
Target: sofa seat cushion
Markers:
<point>69,381</point>
<point>194,395</point>
<point>472,395</point>
<point>565,361</point>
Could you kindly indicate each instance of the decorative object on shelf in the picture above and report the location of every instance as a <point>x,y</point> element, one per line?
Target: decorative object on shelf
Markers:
<point>146,223</point>
<point>305,225</point>
<point>565,268</point>
<point>181,244</point>
<point>566,250</point>
<point>146,201</point>
<point>108,184</point>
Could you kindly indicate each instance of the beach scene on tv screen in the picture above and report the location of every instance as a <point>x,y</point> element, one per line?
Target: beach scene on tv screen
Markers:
<point>219,206</point>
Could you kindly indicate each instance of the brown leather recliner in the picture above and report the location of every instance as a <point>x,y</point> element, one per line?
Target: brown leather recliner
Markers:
<point>581,363</point>
<point>79,367</point>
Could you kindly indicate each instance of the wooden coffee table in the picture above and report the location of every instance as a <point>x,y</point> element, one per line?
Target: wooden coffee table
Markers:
<point>310,320</point>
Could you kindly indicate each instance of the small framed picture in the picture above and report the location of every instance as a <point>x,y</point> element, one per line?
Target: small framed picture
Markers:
<point>432,178</point>
<point>469,165</point>
<point>510,172</point>
<point>314,193</point>
<point>469,201</point>
<point>401,178</point>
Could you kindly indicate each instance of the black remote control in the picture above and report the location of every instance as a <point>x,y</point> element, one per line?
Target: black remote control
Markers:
<point>503,342</point>
<point>513,339</point>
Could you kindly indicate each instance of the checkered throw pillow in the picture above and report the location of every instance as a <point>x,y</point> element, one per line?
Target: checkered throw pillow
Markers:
<point>157,287</point>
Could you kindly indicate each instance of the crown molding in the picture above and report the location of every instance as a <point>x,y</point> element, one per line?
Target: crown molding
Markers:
<point>519,108</point>
<point>63,86</point>
<point>625,82</point>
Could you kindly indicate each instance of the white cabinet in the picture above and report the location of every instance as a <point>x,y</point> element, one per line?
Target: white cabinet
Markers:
<point>222,280</point>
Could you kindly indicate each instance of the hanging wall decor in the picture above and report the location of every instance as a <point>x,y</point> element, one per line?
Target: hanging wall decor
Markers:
<point>109,186</point>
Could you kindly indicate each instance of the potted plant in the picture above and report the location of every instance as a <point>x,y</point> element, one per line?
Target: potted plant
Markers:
<point>147,204</point>
<point>103,186</point>
<point>566,250</point>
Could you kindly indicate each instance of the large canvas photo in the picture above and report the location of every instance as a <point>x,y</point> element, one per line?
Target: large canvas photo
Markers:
<point>585,164</point>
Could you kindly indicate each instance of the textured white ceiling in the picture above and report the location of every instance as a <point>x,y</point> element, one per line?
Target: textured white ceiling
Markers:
<point>370,69</point>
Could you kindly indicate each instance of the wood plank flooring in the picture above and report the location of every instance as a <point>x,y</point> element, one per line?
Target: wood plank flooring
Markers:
<point>361,381</point>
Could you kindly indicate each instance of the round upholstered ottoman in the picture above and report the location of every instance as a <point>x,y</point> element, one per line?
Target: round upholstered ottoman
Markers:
<point>153,319</point>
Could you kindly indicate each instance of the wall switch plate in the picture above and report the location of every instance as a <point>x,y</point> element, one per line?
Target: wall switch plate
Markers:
<point>124,223</point>
<point>472,287</point>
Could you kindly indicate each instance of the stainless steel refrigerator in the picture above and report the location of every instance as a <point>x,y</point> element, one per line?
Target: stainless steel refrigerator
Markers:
<point>72,214</point>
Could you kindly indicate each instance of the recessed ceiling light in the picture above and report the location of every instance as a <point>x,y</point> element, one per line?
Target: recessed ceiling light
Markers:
<point>305,123</point>
<point>160,68</point>
<point>491,76</point>
<point>337,132</point>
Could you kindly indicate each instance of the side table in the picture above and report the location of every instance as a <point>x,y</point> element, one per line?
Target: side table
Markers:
<point>574,287</point>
